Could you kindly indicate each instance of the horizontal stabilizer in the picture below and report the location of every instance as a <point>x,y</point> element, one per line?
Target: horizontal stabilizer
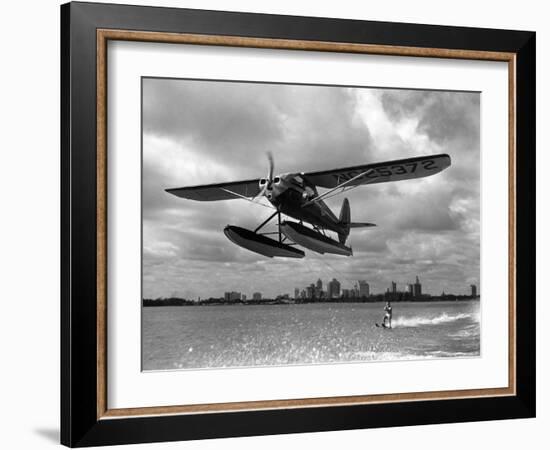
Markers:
<point>361,224</point>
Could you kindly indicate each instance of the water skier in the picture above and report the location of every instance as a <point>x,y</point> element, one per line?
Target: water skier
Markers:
<point>387,316</point>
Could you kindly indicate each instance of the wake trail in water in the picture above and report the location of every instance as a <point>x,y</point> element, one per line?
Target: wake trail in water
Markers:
<point>442,318</point>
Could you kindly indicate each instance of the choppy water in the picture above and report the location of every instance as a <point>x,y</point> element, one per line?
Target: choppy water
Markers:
<point>238,335</point>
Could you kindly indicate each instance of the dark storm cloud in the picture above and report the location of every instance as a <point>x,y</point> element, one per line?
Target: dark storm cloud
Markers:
<point>212,117</point>
<point>442,115</point>
<point>448,116</point>
<point>237,123</point>
<point>204,132</point>
<point>450,119</point>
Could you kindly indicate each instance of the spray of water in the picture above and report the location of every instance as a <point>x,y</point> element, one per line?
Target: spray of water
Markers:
<point>421,321</point>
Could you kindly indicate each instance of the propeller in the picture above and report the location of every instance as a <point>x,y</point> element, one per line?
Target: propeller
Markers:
<point>271,166</point>
<point>269,179</point>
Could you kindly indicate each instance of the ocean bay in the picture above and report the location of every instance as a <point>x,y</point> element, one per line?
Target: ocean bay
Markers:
<point>196,337</point>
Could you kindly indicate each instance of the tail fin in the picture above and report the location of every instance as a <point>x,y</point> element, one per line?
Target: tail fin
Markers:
<point>361,224</point>
<point>345,220</point>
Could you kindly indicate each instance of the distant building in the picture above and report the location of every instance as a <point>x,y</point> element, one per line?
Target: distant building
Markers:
<point>310,291</point>
<point>296,293</point>
<point>417,288</point>
<point>346,293</point>
<point>333,289</point>
<point>393,287</point>
<point>474,290</point>
<point>319,289</point>
<point>243,298</point>
<point>257,296</point>
<point>364,288</point>
<point>232,296</point>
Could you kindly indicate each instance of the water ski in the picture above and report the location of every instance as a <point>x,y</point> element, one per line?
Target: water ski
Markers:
<point>381,325</point>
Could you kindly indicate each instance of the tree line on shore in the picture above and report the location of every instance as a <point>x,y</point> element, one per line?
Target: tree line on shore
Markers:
<point>177,301</point>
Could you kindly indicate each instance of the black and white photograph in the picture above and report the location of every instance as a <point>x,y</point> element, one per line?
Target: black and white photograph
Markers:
<point>291,224</point>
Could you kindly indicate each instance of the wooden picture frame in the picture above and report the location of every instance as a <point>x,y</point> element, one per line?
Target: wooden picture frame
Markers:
<point>86,418</point>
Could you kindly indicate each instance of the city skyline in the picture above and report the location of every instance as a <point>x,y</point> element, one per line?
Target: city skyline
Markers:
<point>361,289</point>
<point>197,132</point>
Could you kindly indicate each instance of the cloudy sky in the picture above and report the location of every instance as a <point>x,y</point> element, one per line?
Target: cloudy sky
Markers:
<point>197,132</point>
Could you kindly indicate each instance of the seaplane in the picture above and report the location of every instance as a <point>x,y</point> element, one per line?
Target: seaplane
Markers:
<point>296,196</point>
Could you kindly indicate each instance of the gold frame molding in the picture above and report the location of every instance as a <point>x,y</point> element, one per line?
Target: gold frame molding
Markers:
<point>103,36</point>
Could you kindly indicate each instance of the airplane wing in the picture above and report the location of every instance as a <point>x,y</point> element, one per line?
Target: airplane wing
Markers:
<point>218,191</point>
<point>397,170</point>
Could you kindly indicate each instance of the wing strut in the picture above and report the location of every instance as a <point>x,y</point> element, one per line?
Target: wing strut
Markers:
<point>246,198</point>
<point>259,227</point>
<point>340,186</point>
<point>278,232</point>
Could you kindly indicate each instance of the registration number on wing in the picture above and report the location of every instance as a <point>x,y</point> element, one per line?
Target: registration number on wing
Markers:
<point>388,171</point>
